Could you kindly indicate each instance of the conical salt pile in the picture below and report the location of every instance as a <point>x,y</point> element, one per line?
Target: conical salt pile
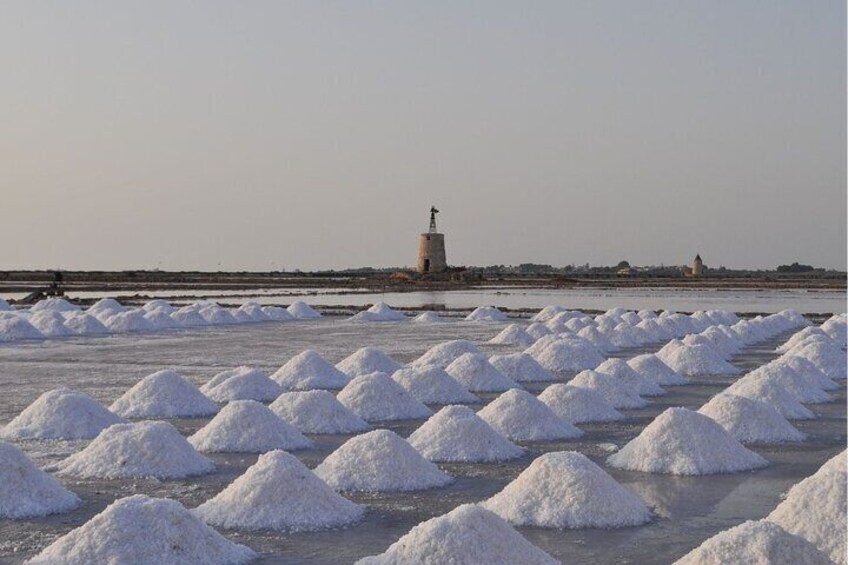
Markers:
<point>85,324</point>
<point>537,330</point>
<point>809,372</point>
<point>828,359</point>
<point>797,384</point>
<point>51,324</point>
<point>279,493</point>
<point>164,394</point>
<point>376,397</point>
<point>683,442</point>
<point>140,450</point>
<point>139,529</point>
<point>755,542</point>
<point>302,311</point>
<point>750,421</point>
<point>567,490</point>
<point>617,393</point>
<point>427,318</point>
<point>217,315</point>
<point>14,328</point>
<point>468,535</point>
<point>223,376</point>
<point>379,461</point>
<point>619,369</point>
<point>446,353</point>
<point>277,314</point>
<point>307,371</point>
<point>189,317</point>
<point>652,367</point>
<point>475,373</point>
<point>568,355</point>
<point>129,321</point>
<point>250,384</point>
<point>815,509</point>
<point>457,434</point>
<point>760,387</point>
<point>486,314</point>
<point>380,312</point>
<point>317,412</point>
<point>247,426</point>
<point>61,414</point>
<point>368,360</point>
<point>520,367</point>
<point>520,416</point>
<point>697,360</point>
<point>161,320</point>
<point>513,334</point>
<point>54,305</point>
<point>579,405</point>
<point>432,385</point>
<point>26,491</point>
<point>109,306</point>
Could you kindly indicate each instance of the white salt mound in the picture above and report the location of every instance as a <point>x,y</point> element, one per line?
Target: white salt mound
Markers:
<point>164,394</point>
<point>189,317</point>
<point>548,312</point>
<point>317,412</point>
<point>619,369</point>
<point>757,386</point>
<point>750,421</point>
<point>302,311</point>
<point>307,371</point>
<point>432,385</point>
<point>85,324</point>
<point>829,360</point>
<point>467,535</point>
<point>139,529</point>
<point>567,490</point>
<point>513,334</point>
<point>797,384</point>
<point>520,367</point>
<point>380,312</point>
<point>54,305</point>
<point>579,405</point>
<point>537,330</point>
<point>520,416</point>
<point>279,493</point>
<point>683,442</point>
<point>129,321</point>
<point>457,434</point>
<point>652,367</point>
<point>815,509</point>
<point>755,542</point>
<point>427,318</point>
<point>141,450</point>
<point>14,328</point>
<point>367,360</point>
<point>161,320</point>
<point>26,491</point>
<point>251,384</point>
<point>618,394</point>
<point>446,353</point>
<point>486,314</point>
<point>51,324</point>
<point>247,426</point>
<point>809,372</point>
<point>568,355</point>
<point>61,414</point>
<point>376,397</point>
<point>277,314</point>
<point>218,316</point>
<point>379,461</point>
<point>698,360</point>
<point>218,378</point>
<point>474,372</point>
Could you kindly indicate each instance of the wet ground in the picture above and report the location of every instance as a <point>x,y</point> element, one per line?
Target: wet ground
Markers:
<point>688,509</point>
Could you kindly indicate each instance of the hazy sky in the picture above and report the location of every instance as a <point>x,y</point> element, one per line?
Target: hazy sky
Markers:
<point>267,135</point>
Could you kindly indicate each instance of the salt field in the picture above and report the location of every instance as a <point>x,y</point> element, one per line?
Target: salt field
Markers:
<point>660,467</point>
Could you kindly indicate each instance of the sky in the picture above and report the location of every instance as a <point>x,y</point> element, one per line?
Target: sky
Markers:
<point>305,135</point>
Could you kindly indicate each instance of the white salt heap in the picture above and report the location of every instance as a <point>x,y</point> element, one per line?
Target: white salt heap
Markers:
<point>594,336</point>
<point>457,434</point>
<point>139,529</point>
<point>619,369</point>
<point>799,337</point>
<point>568,355</point>
<point>651,367</point>
<point>828,359</point>
<point>757,386</point>
<point>692,360</point>
<point>474,372</point>
<point>189,317</point>
<point>54,305</point>
<point>537,330</point>
<point>617,393</point>
<point>548,312</point>
<point>759,542</point>
<point>432,385</point>
<point>380,312</point>
<point>141,450</point>
<point>427,318</point>
<point>307,371</point>
<point>279,493</point>
<point>815,509</point>
<point>85,324</point>
<point>158,304</point>
<point>26,491</point>
<point>467,535</point>
<point>129,321</point>
<point>317,412</point>
<point>161,320</point>
<point>379,461</point>
<point>218,316</point>
<point>254,312</point>
<point>247,426</point>
<point>486,314</point>
<point>513,334</point>
<point>302,311</point>
<point>578,405</point>
<point>446,353</point>
<point>566,490</point>
<point>807,371</point>
<point>520,416</point>
<point>245,384</point>
<point>367,360</point>
<point>683,442</point>
<point>106,307</point>
<point>51,324</point>
<point>277,314</point>
<point>376,397</point>
<point>218,378</point>
<point>750,421</point>
<point>797,384</point>
<point>520,367</point>
<point>61,414</point>
<point>164,394</point>
<point>13,328</point>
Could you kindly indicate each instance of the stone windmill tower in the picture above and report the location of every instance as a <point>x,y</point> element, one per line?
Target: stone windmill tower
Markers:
<point>431,248</point>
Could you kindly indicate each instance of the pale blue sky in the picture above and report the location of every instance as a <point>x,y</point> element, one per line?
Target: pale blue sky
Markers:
<point>260,135</point>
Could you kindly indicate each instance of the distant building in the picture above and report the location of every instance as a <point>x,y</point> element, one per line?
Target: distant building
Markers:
<point>697,268</point>
<point>431,248</point>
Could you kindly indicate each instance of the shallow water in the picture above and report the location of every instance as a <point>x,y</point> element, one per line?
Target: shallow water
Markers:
<point>688,509</point>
